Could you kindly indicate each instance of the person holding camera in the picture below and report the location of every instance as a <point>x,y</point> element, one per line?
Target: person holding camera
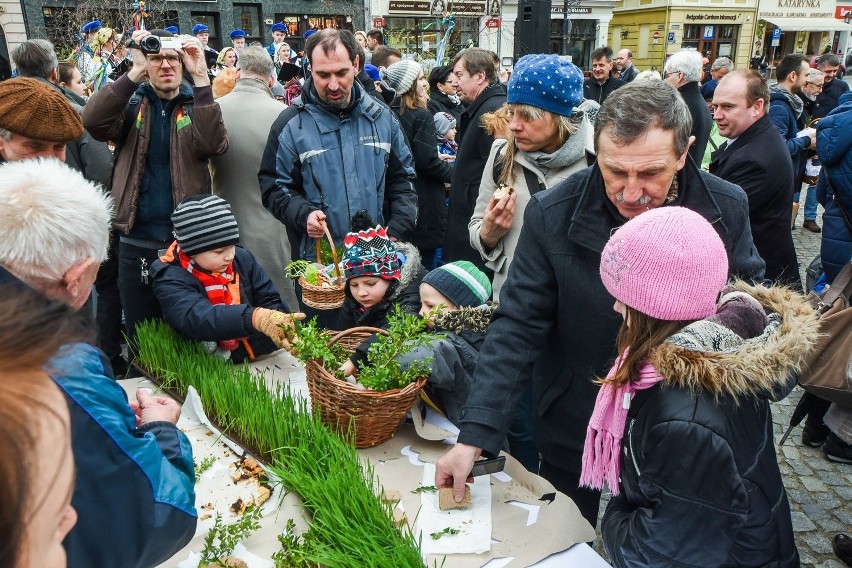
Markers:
<point>165,128</point>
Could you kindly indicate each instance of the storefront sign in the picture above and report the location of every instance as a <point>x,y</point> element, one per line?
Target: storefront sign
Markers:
<point>437,7</point>
<point>378,22</point>
<point>571,10</point>
<point>842,11</point>
<point>492,23</point>
<point>712,17</point>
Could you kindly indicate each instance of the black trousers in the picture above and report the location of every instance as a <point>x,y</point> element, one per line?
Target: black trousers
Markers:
<point>136,290</point>
<point>568,482</point>
<point>108,310</point>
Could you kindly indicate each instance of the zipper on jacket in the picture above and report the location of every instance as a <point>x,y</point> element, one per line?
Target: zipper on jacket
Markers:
<point>630,444</point>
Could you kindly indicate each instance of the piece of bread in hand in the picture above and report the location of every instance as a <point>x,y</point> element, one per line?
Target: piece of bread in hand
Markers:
<point>502,191</point>
<point>446,500</point>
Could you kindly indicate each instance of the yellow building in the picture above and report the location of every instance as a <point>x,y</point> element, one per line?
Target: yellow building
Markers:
<point>651,29</point>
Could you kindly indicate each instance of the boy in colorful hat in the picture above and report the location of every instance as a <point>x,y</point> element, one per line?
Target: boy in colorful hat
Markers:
<point>214,291</point>
<point>379,275</point>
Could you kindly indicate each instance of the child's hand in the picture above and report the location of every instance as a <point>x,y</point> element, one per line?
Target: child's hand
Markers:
<point>278,326</point>
<point>348,369</point>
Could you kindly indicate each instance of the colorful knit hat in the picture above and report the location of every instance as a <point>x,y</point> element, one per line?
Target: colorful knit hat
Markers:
<point>460,282</point>
<point>370,253</point>
<point>443,122</point>
<point>204,222</point>
<point>668,263</point>
<point>546,82</point>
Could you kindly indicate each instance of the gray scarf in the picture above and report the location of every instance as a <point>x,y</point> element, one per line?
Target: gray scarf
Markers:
<point>795,102</point>
<point>566,155</point>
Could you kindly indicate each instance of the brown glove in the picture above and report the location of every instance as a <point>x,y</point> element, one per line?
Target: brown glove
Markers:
<point>277,325</point>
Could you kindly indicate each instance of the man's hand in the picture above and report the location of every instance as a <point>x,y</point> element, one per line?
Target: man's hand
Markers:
<point>138,73</point>
<point>192,55</point>
<point>278,326</point>
<point>453,469</point>
<point>497,221</point>
<point>150,408</point>
<point>316,224</point>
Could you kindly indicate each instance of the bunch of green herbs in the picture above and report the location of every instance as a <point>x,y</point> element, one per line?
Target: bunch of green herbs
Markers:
<point>405,333</point>
<point>222,539</point>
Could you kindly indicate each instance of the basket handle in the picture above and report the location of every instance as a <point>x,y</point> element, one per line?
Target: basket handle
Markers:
<point>333,250</point>
<point>350,331</point>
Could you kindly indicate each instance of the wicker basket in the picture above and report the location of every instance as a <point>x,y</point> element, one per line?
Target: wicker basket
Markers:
<point>375,415</point>
<point>324,297</point>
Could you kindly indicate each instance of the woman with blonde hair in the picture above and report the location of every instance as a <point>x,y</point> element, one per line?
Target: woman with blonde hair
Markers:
<point>227,58</point>
<point>406,79</point>
<point>103,45</point>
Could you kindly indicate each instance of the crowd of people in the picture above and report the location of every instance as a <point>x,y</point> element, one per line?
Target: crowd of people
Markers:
<point>608,260</point>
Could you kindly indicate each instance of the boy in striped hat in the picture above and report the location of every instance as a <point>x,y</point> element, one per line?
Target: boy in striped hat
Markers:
<point>213,291</point>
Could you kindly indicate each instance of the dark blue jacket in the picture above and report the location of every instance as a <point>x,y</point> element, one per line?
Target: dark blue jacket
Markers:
<point>784,119</point>
<point>187,309</point>
<point>834,145</point>
<point>135,487</point>
<point>829,98</point>
<point>556,315</point>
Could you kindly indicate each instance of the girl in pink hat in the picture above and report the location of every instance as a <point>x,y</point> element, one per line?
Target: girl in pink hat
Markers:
<point>682,429</point>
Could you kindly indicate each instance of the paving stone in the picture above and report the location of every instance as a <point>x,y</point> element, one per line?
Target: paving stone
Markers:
<point>830,563</point>
<point>818,542</point>
<point>829,524</point>
<point>791,452</point>
<point>805,558</point>
<point>813,484</point>
<point>801,522</point>
<point>801,470</point>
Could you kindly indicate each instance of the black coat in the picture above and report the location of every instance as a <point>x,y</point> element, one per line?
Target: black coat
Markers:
<point>432,172</point>
<point>628,74</point>
<point>758,161</point>
<point>474,148</point>
<point>700,483</point>
<point>556,315</point>
<point>702,122</point>
<point>187,309</point>
<point>439,102</point>
<point>597,92</point>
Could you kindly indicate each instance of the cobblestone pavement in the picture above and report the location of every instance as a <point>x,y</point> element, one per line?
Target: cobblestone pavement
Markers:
<point>820,492</point>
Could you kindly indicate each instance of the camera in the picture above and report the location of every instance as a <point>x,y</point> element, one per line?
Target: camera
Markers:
<point>149,45</point>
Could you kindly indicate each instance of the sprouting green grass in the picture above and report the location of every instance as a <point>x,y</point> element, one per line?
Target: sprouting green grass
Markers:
<point>350,525</point>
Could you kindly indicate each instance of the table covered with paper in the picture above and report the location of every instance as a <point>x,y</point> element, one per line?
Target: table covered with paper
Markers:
<point>516,518</point>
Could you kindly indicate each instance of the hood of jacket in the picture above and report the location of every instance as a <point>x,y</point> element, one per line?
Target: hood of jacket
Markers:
<point>728,365</point>
<point>474,319</point>
<point>410,269</point>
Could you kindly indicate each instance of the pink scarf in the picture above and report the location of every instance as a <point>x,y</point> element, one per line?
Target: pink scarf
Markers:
<point>601,454</point>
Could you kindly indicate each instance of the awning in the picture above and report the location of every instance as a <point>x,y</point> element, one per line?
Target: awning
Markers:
<point>809,24</point>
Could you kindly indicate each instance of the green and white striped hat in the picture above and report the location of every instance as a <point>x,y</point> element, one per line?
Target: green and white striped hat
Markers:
<point>461,282</point>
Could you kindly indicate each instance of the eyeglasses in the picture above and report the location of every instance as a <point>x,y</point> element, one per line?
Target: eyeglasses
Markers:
<point>667,73</point>
<point>157,60</point>
<point>818,86</point>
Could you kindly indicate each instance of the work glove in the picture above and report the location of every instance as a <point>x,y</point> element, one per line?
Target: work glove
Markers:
<point>278,326</point>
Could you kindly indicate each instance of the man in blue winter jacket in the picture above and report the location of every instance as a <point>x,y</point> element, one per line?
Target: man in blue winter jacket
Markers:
<point>336,151</point>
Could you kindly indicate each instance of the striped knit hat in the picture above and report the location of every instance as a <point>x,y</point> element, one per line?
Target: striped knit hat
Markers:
<point>461,282</point>
<point>204,222</point>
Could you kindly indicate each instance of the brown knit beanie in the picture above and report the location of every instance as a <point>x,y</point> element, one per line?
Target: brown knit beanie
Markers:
<point>36,110</point>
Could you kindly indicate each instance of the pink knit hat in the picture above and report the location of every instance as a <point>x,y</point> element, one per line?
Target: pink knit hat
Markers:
<point>667,263</point>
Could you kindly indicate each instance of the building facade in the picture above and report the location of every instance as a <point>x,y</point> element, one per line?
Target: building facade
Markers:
<point>13,31</point>
<point>653,29</point>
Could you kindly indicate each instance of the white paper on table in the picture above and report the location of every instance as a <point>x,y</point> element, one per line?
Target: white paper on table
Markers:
<point>193,410</point>
<point>473,523</point>
<point>240,551</point>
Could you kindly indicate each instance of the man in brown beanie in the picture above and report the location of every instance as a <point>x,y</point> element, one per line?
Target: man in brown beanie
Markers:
<point>35,121</point>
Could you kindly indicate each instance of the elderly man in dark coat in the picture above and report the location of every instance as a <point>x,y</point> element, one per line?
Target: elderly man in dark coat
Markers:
<point>555,313</point>
<point>683,71</point>
<point>759,162</point>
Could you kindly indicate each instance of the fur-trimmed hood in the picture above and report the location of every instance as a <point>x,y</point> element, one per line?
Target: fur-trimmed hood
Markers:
<point>739,367</point>
<point>410,270</point>
<point>465,319</point>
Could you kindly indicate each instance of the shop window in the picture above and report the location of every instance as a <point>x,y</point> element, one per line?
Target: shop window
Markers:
<point>711,40</point>
<point>247,18</point>
<point>421,36</point>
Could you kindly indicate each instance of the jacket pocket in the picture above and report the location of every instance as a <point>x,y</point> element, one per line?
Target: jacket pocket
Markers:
<point>551,388</point>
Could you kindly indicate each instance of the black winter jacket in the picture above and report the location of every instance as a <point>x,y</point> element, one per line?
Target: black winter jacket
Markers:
<point>432,172</point>
<point>474,149</point>
<point>700,484</point>
<point>556,315</point>
<point>597,92</point>
<point>829,98</point>
<point>702,122</point>
<point>187,309</point>
<point>758,161</point>
<point>405,294</point>
<point>440,102</point>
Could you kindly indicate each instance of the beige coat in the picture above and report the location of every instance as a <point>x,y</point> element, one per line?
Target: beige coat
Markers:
<point>500,257</point>
<point>248,112</point>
